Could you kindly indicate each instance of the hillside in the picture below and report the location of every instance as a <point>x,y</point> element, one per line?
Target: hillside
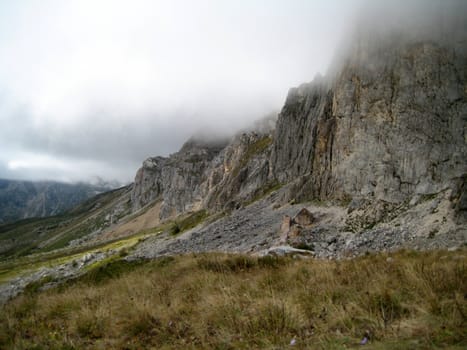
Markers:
<point>37,235</point>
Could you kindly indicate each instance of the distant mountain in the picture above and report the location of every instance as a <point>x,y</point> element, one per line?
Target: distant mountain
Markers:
<point>27,199</point>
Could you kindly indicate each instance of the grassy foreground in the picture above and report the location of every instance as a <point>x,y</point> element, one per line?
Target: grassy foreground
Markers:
<point>404,300</point>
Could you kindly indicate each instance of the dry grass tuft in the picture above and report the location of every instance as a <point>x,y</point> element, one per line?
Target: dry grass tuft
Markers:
<point>213,301</point>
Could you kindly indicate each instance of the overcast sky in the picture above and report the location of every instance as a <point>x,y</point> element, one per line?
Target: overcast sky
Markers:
<point>92,88</point>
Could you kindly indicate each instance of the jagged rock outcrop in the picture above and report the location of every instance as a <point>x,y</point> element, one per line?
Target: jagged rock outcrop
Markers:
<point>205,175</point>
<point>178,180</point>
<point>304,137</point>
<point>291,228</point>
<point>239,172</point>
<point>390,125</point>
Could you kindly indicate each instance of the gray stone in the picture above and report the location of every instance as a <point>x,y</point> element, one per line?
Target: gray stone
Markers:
<point>384,131</point>
<point>304,218</point>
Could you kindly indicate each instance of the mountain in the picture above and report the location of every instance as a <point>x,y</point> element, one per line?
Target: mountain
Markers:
<point>27,199</point>
<point>368,161</point>
<point>388,128</point>
<point>370,157</point>
<point>381,137</point>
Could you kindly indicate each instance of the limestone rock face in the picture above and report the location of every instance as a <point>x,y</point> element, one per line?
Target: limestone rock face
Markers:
<point>304,137</point>
<point>391,124</point>
<point>148,184</point>
<point>177,181</point>
<point>205,175</point>
<point>239,171</point>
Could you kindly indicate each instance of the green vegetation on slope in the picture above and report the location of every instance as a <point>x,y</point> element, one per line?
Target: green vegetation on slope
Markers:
<point>403,300</point>
<point>22,266</point>
<point>188,222</point>
<point>253,149</point>
<point>16,266</point>
<point>264,191</point>
<point>45,234</point>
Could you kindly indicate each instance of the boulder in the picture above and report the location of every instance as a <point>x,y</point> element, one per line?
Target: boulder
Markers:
<point>304,218</point>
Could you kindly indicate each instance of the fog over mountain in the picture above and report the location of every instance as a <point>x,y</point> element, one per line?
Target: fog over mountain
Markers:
<point>91,88</point>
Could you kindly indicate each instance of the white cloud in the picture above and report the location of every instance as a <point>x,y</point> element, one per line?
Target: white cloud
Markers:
<point>113,81</point>
<point>34,166</point>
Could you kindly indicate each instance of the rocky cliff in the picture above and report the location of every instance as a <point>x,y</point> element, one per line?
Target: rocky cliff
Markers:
<point>388,124</point>
<point>178,181</point>
<point>205,175</point>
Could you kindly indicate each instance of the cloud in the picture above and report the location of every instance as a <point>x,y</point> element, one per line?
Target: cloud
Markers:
<point>36,166</point>
<point>93,87</point>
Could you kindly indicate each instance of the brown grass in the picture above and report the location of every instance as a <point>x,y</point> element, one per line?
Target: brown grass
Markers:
<point>147,220</point>
<point>409,301</point>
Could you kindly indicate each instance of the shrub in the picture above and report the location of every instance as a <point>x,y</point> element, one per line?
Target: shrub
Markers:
<point>35,286</point>
<point>175,229</point>
<point>304,246</point>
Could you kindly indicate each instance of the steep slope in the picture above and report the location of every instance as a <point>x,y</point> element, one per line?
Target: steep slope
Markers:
<point>240,172</point>
<point>27,199</point>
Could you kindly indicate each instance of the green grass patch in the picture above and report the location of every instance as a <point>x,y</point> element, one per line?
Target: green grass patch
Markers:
<point>35,286</point>
<point>39,235</point>
<point>25,265</point>
<point>265,191</point>
<point>109,269</point>
<point>188,222</point>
